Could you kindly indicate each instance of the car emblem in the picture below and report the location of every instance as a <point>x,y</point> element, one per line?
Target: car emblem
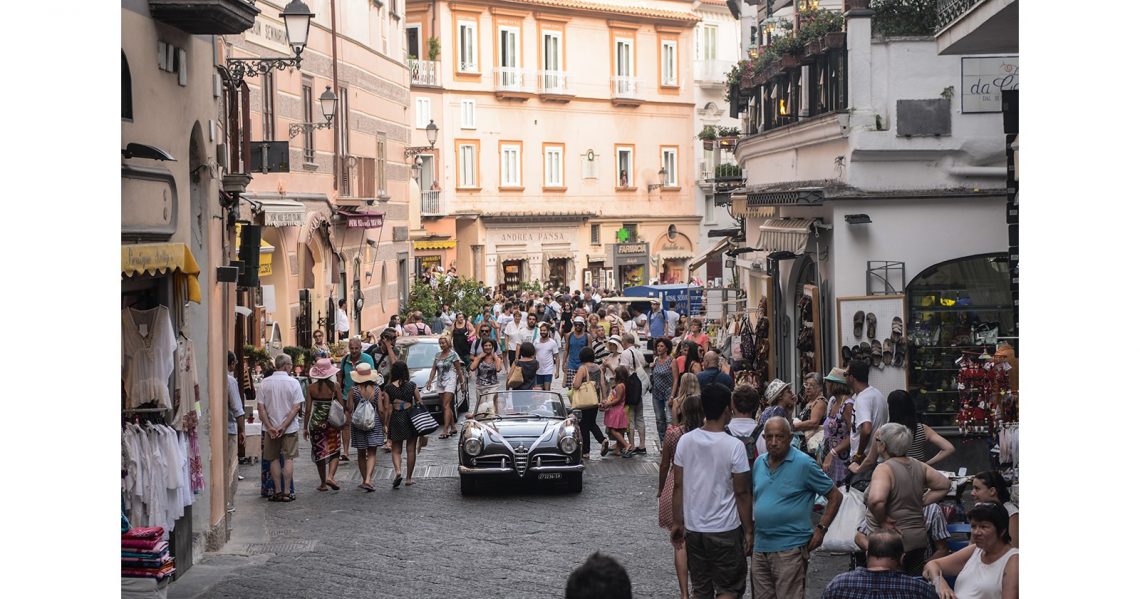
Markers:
<point>521,447</point>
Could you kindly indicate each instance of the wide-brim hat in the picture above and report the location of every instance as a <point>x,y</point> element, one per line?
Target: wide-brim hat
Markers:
<point>614,339</point>
<point>323,369</point>
<point>837,375</point>
<point>364,373</point>
<point>775,388</point>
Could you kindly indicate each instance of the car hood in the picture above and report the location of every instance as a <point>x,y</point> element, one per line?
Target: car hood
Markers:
<point>419,377</point>
<point>532,428</point>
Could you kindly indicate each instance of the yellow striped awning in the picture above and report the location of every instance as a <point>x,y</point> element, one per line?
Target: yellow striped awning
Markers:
<point>161,259</point>
<point>443,244</point>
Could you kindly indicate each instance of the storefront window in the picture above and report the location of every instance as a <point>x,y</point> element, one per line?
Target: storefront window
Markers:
<point>957,307</point>
<point>631,276</point>
<point>512,275</point>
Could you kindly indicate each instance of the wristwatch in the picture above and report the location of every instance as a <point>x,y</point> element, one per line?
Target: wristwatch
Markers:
<point>822,527</point>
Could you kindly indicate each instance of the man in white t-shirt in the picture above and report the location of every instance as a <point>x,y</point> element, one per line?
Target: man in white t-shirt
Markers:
<point>712,501</point>
<point>870,409</point>
<point>545,350</point>
<point>279,401</point>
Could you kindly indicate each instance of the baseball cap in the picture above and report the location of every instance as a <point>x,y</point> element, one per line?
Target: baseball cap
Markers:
<point>579,320</point>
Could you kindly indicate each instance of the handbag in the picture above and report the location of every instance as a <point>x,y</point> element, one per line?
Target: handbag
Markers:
<point>364,416</point>
<point>336,414</point>
<point>840,536</point>
<point>422,420</point>
<point>515,380</point>
<point>585,396</point>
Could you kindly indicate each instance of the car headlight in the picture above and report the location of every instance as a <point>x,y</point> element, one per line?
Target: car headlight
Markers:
<point>568,444</point>
<point>473,446</point>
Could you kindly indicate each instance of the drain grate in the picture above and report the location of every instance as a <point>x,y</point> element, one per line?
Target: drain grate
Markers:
<point>280,547</point>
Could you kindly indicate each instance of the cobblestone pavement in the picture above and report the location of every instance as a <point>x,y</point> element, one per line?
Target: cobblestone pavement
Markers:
<point>428,541</point>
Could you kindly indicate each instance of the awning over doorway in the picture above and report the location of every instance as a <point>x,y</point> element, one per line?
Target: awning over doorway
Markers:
<point>721,246</point>
<point>162,259</point>
<point>675,254</point>
<point>788,234</point>
<point>436,244</point>
<point>557,255</point>
<point>363,220</point>
<point>279,213</point>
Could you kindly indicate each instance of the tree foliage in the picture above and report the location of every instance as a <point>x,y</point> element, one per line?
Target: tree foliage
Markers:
<point>461,293</point>
<point>904,17</point>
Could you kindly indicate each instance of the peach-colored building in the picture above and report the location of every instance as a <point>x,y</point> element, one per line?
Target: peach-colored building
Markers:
<point>342,230</point>
<point>560,122</point>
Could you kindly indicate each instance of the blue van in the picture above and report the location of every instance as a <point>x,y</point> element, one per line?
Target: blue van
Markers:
<point>689,298</point>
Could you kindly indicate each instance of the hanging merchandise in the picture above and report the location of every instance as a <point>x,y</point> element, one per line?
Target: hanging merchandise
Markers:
<point>985,401</point>
<point>148,356</point>
<point>747,341</point>
<point>156,488</point>
<point>186,412</point>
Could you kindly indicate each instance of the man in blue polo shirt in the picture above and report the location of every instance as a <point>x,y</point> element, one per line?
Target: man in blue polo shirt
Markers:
<point>785,482</point>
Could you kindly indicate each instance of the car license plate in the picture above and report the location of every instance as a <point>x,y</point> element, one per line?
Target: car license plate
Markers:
<point>550,476</point>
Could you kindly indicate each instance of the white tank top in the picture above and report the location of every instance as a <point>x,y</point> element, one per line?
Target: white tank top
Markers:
<point>979,580</point>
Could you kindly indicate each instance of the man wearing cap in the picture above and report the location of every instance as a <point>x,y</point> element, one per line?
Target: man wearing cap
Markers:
<point>572,344</point>
<point>658,322</point>
<point>279,402</point>
<point>672,318</point>
<point>870,410</point>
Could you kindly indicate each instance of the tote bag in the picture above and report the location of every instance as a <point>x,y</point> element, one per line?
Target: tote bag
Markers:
<point>422,420</point>
<point>840,535</point>
<point>585,397</point>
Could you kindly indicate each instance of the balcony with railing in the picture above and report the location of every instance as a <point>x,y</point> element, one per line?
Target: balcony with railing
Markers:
<point>626,91</point>
<point>787,93</point>
<point>977,26</point>
<point>424,72</point>
<point>512,82</point>
<point>711,73</point>
<point>429,202</point>
<point>555,86</point>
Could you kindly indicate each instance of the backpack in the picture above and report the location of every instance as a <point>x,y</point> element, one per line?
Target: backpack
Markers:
<point>749,442</point>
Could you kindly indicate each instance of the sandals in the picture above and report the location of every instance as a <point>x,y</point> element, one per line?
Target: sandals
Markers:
<point>876,353</point>
<point>605,448</point>
<point>282,498</point>
<point>396,483</point>
<point>871,322</point>
<point>368,488</point>
<point>332,485</point>
<point>859,324</point>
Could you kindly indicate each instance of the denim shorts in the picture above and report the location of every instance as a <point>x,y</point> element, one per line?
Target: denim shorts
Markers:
<point>543,379</point>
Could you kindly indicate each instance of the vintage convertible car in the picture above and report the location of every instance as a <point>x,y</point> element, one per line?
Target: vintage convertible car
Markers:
<point>522,436</point>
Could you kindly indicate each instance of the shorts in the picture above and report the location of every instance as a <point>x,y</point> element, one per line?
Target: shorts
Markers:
<point>716,562</point>
<point>543,379</point>
<point>284,445</point>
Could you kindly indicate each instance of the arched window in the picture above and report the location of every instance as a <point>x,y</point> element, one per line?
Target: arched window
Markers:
<point>127,105</point>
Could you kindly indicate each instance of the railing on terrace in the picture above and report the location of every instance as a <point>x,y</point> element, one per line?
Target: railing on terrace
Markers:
<point>424,72</point>
<point>778,102</point>
<point>712,71</point>
<point>510,79</point>
<point>948,10</point>
<point>555,82</point>
<point>429,201</point>
<point>626,87</point>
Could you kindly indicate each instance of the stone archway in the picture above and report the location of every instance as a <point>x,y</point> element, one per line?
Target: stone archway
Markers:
<point>671,253</point>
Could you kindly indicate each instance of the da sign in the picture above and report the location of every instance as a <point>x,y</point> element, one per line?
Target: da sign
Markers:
<point>984,78</point>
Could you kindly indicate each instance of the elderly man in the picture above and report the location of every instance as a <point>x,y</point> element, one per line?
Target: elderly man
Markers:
<point>344,376</point>
<point>882,577</point>
<point>278,403</point>
<point>785,482</point>
<point>713,373</point>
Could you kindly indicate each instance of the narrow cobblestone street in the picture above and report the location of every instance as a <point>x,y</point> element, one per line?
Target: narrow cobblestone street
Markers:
<point>429,541</point>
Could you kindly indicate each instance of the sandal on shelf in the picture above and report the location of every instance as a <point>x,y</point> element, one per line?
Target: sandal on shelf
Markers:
<point>858,324</point>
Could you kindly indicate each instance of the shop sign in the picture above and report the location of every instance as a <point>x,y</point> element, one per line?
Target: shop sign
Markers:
<point>984,78</point>
<point>364,220</point>
<point>531,236</point>
<point>283,218</point>
<point>269,34</point>
<point>633,248</point>
<point>631,261</point>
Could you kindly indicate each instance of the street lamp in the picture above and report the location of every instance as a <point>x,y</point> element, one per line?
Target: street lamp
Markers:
<point>328,108</point>
<point>297,18</point>
<point>432,131</point>
<point>660,177</point>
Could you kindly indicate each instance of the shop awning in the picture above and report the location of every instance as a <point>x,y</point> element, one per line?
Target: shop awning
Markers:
<point>721,246</point>
<point>512,258</point>
<point>675,254</point>
<point>279,213</point>
<point>438,244</point>
<point>363,220</point>
<point>265,260</point>
<point>788,234</point>
<point>593,258</point>
<point>161,259</point>
<point>558,255</point>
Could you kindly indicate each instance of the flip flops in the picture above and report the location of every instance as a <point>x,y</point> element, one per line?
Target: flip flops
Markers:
<point>865,350</point>
<point>888,352</point>
<point>858,324</point>
<point>871,322</point>
<point>876,354</point>
<point>896,329</point>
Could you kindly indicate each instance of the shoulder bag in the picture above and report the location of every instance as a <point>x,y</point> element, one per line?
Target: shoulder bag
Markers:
<point>515,380</point>
<point>585,397</point>
<point>422,420</point>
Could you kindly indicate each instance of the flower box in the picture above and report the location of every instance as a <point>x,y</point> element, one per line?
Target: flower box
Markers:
<point>835,40</point>
<point>788,61</point>
<point>813,47</point>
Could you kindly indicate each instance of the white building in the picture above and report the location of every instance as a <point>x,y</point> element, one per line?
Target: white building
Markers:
<point>878,171</point>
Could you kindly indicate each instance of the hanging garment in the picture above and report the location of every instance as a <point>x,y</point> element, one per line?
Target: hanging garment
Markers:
<point>747,342</point>
<point>185,382</point>
<point>148,355</point>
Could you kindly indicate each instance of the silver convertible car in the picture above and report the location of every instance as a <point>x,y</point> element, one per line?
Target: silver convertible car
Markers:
<point>522,436</point>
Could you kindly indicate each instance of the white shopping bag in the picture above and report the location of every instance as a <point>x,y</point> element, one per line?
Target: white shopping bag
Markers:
<point>840,535</point>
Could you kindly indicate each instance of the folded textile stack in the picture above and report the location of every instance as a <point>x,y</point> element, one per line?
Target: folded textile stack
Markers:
<point>146,554</point>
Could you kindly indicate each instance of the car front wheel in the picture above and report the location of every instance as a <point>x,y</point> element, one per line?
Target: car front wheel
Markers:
<point>574,482</point>
<point>469,486</point>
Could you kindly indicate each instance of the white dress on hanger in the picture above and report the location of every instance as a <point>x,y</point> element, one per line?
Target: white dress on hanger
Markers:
<point>148,355</point>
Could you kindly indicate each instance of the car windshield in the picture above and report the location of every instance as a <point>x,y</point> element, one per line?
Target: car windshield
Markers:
<point>531,403</point>
<point>420,355</point>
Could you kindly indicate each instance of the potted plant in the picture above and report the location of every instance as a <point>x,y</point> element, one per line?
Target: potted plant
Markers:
<point>708,136</point>
<point>433,48</point>
<point>813,48</point>
<point>728,136</point>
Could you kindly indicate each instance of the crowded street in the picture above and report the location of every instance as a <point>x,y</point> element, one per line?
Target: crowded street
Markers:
<point>587,299</point>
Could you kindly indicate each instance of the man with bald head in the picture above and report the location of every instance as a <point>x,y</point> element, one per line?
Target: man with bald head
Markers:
<point>785,482</point>
<point>883,576</point>
<point>713,372</point>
